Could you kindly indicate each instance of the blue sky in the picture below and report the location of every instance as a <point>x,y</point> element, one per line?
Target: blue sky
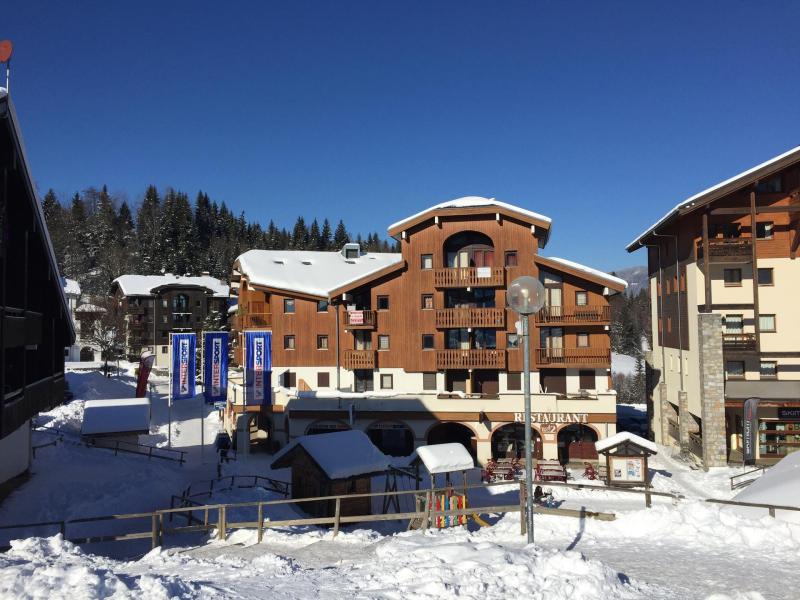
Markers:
<point>601,115</point>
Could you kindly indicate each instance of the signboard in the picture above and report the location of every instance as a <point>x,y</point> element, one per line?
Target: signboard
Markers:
<point>483,272</point>
<point>258,367</point>
<point>182,375</point>
<point>215,366</point>
<point>145,366</point>
<point>552,417</point>
<point>355,317</point>
<point>750,429</point>
<point>627,468</point>
<point>789,414</point>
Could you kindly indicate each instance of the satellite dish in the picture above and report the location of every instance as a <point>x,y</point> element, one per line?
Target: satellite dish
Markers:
<point>6,48</point>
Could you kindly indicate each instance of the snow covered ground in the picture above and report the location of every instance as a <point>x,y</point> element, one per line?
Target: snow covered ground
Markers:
<point>687,549</point>
<point>623,363</point>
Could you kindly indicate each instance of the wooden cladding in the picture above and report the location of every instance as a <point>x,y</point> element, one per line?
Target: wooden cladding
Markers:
<point>574,314</point>
<point>257,321</point>
<point>360,359</point>
<point>359,319</point>
<point>461,277</point>
<point>739,341</point>
<point>470,359</point>
<point>728,250</point>
<point>451,318</point>
<point>590,357</point>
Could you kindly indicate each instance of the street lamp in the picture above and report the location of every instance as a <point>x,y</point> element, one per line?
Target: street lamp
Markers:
<point>526,296</point>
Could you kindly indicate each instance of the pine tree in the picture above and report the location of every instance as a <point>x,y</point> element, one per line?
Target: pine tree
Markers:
<point>340,237</point>
<point>314,236</point>
<point>299,235</point>
<point>325,236</point>
<point>75,261</point>
<point>148,243</point>
<point>56,218</point>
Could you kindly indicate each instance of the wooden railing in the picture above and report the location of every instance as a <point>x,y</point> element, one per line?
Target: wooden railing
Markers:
<point>471,359</point>
<point>573,356</point>
<point>574,314</point>
<point>461,277</point>
<point>256,320</point>
<point>359,359</point>
<point>725,250</point>
<point>739,341</point>
<point>359,319</point>
<point>448,318</point>
<point>134,309</point>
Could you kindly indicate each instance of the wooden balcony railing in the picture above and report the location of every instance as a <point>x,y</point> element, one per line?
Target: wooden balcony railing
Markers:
<point>471,359</point>
<point>359,319</point>
<point>739,341</point>
<point>359,359</point>
<point>256,320</point>
<point>449,318</point>
<point>462,277</point>
<point>574,314</point>
<point>727,250</point>
<point>573,357</point>
<point>135,309</point>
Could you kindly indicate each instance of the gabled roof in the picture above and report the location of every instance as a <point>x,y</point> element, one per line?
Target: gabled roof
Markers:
<point>625,437</point>
<point>562,264</point>
<point>445,458</point>
<point>721,189</point>
<point>470,205</point>
<point>147,285</point>
<point>313,273</point>
<point>340,454</point>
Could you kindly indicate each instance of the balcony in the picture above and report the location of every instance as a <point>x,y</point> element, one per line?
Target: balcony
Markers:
<point>451,318</point>
<point>470,359</point>
<point>136,309</point>
<point>359,319</point>
<point>256,321</point>
<point>739,342</point>
<point>573,357</point>
<point>462,277</point>
<point>137,325</point>
<point>359,359</point>
<point>574,315</point>
<point>727,250</point>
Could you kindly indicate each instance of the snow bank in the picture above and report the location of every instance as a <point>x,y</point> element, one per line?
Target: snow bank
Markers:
<point>444,458</point>
<point>126,415</point>
<point>780,485</point>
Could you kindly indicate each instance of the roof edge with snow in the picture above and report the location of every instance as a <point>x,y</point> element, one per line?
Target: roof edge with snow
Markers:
<point>615,283</point>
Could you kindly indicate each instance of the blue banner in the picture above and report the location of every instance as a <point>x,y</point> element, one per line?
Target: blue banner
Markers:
<point>215,366</point>
<point>258,367</point>
<point>183,365</point>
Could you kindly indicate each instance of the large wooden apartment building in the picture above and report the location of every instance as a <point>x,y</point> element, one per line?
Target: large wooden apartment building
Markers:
<point>418,346</point>
<point>724,288</point>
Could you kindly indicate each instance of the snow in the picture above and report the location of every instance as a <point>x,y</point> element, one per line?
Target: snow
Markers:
<point>624,436</point>
<point>90,308</point>
<point>779,485</point>
<point>341,454</point>
<point>311,272</point>
<point>445,458</point>
<point>71,287</point>
<point>471,201</point>
<point>589,270</point>
<point>116,416</point>
<point>143,285</point>
<point>623,363</point>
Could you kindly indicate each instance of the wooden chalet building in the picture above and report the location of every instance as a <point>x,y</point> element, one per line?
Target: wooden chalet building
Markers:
<point>724,288</point>
<point>35,323</point>
<point>418,346</point>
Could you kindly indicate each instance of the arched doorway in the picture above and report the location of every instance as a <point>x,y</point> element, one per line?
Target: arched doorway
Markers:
<point>469,249</point>
<point>447,433</point>
<point>318,427</point>
<point>576,442</point>
<point>87,354</point>
<point>394,439</point>
<point>508,441</point>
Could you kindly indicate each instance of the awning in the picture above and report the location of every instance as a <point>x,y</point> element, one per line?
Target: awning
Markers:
<point>764,390</point>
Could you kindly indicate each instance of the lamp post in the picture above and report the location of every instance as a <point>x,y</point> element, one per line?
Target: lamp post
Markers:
<point>526,296</point>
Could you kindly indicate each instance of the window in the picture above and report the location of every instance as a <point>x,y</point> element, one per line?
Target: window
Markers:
<point>734,323</point>
<point>765,276</point>
<point>322,342</point>
<point>427,341</point>
<point>764,230</point>
<point>386,381</point>
<point>288,305</point>
<point>512,340</point>
<point>197,304</point>
<point>581,298</point>
<point>429,381</point>
<point>289,379</point>
<point>734,369</point>
<point>514,381</point>
<point>733,277</point>
<point>164,349</point>
<point>323,380</point>
<point>426,261</point>
<point>288,342</point>
<point>427,301</point>
<point>322,306</point>
<point>383,302</point>
<point>766,323</point>
<point>511,258</point>
<point>770,186</point>
<point>351,252</point>
<point>582,340</point>
<point>768,369</point>
<point>383,342</point>
<point>165,303</point>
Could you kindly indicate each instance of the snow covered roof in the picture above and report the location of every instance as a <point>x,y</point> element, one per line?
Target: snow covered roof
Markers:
<point>340,454</point>
<point>712,193</point>
<point>624,436</point>
<point>594,273</point>
<point>471,202</point>
<point>780,484</point>
<point>125,415</point>
<point>445,458</point>
<point>71,287</point>
<point>90,308</point>
<point>143,285</point>
<point>311,272</point>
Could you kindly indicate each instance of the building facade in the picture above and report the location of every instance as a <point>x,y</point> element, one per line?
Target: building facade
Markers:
<point>418,346</point>
<point>35,324</point>
<point>155,305</point>
<point>724,283</point>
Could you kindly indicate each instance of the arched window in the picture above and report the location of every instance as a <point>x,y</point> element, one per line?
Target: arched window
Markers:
<point>469,249</point>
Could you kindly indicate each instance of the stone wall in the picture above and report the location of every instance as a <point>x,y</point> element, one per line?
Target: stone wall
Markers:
<point>712,386</point>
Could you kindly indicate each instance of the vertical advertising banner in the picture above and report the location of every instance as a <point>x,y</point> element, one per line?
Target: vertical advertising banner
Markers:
<point>183,365</point>
<point>215,366</point>
<point>145,366</point>
<point>258,367</point>
<point>750,426</point>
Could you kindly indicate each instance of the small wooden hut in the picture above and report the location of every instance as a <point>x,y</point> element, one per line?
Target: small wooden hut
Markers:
<point>333,464</point>
<point>626,458</point>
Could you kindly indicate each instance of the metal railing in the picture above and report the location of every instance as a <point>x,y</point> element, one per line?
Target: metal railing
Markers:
<point>118,446</point>
<point>737,482</point>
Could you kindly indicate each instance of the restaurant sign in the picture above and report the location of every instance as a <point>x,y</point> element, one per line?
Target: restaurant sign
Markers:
<point>789,414</point>
<point>553,417</point>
